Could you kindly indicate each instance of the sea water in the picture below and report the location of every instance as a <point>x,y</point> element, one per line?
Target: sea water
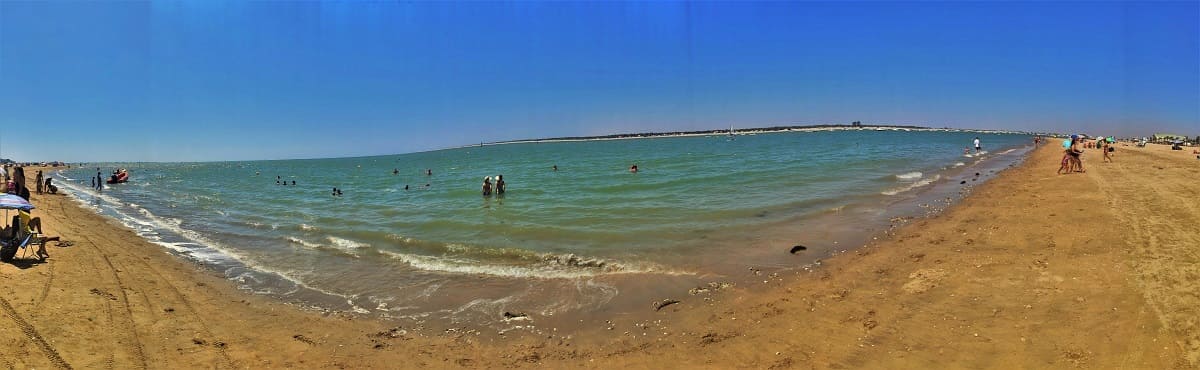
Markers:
<point>581,239</point>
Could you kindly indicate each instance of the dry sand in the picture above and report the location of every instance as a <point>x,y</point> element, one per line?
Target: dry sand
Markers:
<point>1032,270</point>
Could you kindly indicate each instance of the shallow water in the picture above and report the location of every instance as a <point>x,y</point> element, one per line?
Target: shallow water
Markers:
<point>580,239</point>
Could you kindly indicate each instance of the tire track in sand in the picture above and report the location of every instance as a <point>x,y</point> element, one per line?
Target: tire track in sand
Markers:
<point>195,314</point>
<point>1162,236</point>
<point>32,333</point>
<point>138,351</point>
<point>204,328</point>
<point>45,290</point>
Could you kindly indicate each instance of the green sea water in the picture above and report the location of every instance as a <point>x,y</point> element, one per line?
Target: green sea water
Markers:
<point>401,243</point>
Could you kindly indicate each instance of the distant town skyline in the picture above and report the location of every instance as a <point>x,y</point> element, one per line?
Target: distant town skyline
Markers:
<point>198,81</point>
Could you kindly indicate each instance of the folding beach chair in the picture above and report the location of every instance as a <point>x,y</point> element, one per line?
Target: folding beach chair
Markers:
<point>22,238</point>
<point>26,223</point>
<point>8,249</point>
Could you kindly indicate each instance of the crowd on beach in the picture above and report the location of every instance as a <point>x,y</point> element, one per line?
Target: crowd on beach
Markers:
<point>1072,160</point>
<point>25,230</point>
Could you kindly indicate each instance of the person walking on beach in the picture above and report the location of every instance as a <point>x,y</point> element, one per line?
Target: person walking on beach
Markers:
<point>1076,155</point>
<point>1107,151</point>
<point>39,182</point>
<point>977,147</point>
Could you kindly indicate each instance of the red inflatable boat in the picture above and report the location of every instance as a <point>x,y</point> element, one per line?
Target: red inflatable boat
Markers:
<point>119,177</point>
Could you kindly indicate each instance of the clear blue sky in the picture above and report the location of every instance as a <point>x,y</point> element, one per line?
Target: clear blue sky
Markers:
<point>208,80</point>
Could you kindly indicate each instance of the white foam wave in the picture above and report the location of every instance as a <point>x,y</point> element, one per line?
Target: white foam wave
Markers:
<point>909,176</point>
<point>201,249</point>
<point>973,155</point>
<point>303,243</point>
<point>565,267</point>
<point>346,244</point>
<point>307,227</point>
<point>912,186</point>
<point>959,164</point>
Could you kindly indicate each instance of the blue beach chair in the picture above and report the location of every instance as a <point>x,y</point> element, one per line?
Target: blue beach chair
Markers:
<point>21,238</point>
<point>8,249</point>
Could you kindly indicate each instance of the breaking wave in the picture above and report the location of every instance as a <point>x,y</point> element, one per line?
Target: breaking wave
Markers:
<point>911,186</point>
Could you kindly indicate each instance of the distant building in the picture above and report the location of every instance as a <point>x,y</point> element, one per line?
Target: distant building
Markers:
<point>1159,138</point>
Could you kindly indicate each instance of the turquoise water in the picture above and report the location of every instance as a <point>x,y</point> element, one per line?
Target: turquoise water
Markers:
<point>557,241</point>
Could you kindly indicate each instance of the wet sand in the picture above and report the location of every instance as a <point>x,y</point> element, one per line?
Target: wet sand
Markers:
<point>1031,270</point>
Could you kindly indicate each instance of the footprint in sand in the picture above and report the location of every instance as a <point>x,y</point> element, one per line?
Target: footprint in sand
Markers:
<point>923,280</point>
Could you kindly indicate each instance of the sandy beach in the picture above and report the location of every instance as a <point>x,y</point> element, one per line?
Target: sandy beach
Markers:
<point>1031,270</point>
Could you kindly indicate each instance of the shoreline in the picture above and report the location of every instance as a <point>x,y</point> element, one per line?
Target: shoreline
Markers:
<point>762,248</point>
<point>1018,293</point>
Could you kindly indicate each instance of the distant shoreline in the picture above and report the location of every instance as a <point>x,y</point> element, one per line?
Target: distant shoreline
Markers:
<point>746,131</point>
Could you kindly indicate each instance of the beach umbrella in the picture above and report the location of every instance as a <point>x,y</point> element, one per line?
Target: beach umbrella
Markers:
<point>9,201</point>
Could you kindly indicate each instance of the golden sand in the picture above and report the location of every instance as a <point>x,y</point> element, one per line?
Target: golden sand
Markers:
<point>1032,270</point>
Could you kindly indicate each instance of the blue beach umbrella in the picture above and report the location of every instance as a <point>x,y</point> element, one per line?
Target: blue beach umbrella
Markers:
<point>9,201</point>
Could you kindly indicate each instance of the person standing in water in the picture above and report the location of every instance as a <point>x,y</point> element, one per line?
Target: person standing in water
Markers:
<point>487,186</point>
<point>977,147</point>
<point>499,184</point>
<point>99,180</point>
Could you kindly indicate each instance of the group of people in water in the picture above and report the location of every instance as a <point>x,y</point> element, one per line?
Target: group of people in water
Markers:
<point>498,188</point>
<point>492,185</point>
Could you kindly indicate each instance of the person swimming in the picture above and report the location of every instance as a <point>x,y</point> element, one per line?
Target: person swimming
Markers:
<point>555,168</point>
<point>395,171</point>
<point>633,169</point>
